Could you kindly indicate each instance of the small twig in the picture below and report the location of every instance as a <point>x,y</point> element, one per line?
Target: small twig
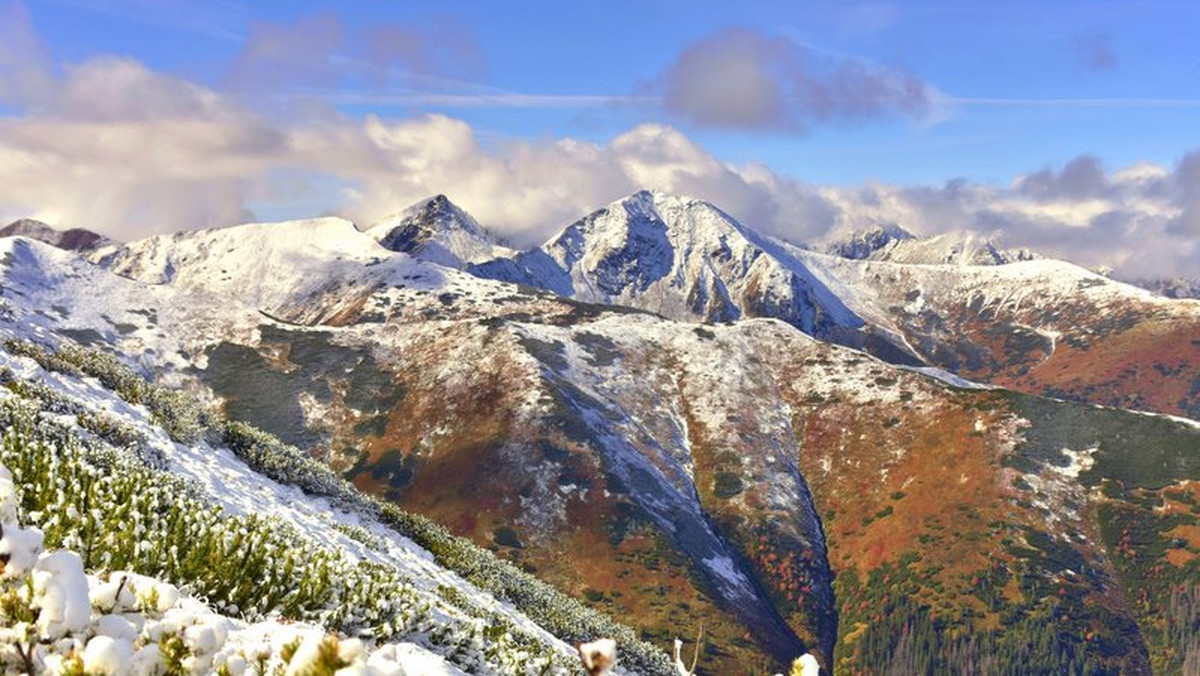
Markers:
<point>117,597</point>
<point>27,656</point>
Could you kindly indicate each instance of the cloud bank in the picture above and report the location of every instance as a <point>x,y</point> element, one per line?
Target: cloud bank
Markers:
<point>111,145</point>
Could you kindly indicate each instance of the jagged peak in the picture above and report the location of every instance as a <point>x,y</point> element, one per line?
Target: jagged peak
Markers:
<point>435,213</point>
<point>438,230</point>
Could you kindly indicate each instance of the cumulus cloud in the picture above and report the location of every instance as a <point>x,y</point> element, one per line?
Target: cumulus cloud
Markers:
<point>527,191</point>
<point>745,79</point>
<point>1081,178</point>
<point>1096,52</point>
<point>113,146</point>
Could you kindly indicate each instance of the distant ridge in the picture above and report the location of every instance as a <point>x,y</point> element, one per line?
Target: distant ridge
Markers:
<point>75,239</point>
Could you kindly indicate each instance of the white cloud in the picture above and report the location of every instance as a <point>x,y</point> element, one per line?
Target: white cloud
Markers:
<point>111,145</point>
<point>114,146</point>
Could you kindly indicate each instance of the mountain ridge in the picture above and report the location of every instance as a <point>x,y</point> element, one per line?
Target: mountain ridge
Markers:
<point>685,259</point>
<point>892,243</point>
<point>568,436</point>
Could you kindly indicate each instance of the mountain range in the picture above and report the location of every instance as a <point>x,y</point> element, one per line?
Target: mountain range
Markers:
<point>898,455</point>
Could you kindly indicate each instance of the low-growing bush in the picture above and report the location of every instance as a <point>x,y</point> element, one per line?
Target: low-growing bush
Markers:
<point>179,414</point>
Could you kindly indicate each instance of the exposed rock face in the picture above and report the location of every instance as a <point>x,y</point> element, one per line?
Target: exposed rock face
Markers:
<point>75,239</point>
<point>437,231</point>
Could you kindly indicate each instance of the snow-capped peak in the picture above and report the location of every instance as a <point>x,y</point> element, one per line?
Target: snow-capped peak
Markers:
<point>645,224</point>
<point>677,256</point>
<point>437,230</point>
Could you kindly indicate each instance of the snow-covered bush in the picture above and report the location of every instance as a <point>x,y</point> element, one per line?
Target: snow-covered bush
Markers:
<point>269,456</point>
<point>55,620</point>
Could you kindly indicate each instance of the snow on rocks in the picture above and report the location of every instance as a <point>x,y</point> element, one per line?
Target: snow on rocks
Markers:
<point>8,497</point>
<point>19,547</point>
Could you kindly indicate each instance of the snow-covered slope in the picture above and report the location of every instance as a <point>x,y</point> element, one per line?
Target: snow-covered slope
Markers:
<point>438,231</point>
<point>1042,326</point>
<point>873,288</point>
<point>281,260</point>
<point>416,336</point>
<point>306,271</point>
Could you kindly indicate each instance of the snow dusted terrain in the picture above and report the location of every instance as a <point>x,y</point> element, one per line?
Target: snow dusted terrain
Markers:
<point>107,637</point>
<point>289,280</point>
<point>39,276</point>
<point>661,418</point>
<point>954,301</point>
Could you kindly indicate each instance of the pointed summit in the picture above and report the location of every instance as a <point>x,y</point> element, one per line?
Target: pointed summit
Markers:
<point>75,239</point>
<point>437,230</point>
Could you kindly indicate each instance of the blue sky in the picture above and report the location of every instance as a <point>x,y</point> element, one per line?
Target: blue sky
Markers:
<point>1048,81</point>
<point>1068,127</point>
